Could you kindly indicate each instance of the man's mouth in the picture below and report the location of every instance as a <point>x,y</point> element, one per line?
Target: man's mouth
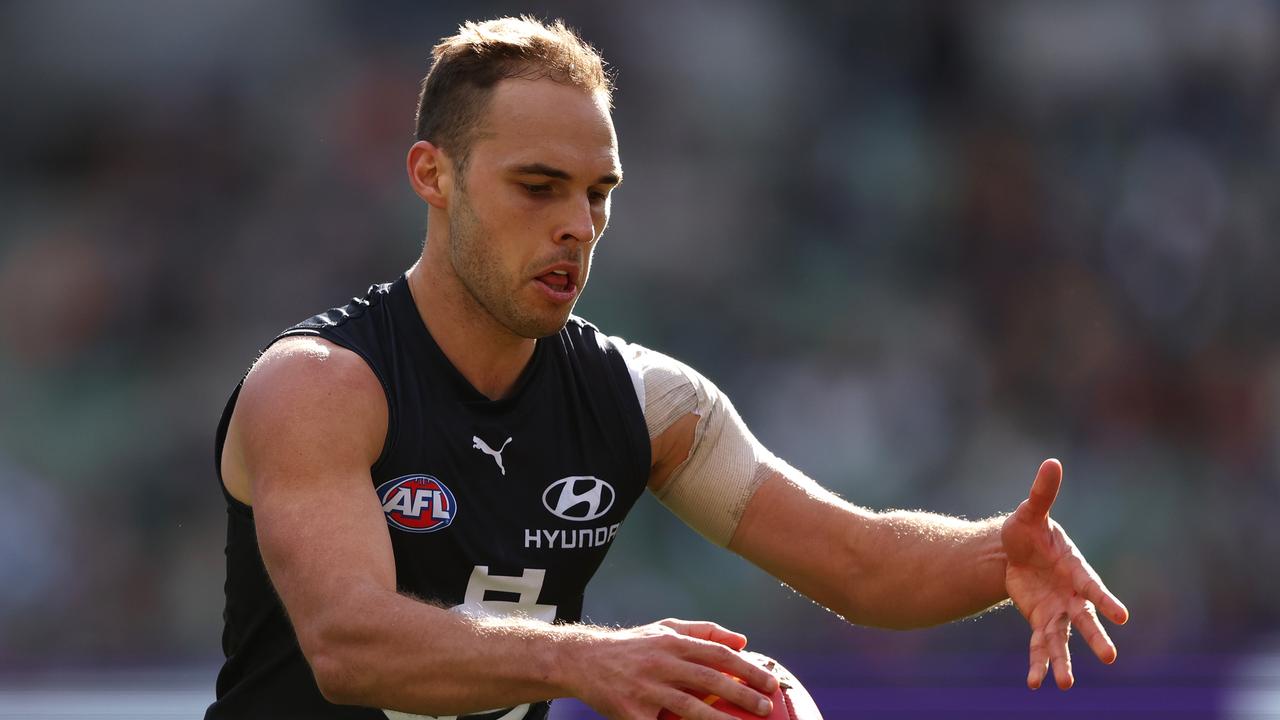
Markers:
<point>556,280</point>
<point>558,284</point>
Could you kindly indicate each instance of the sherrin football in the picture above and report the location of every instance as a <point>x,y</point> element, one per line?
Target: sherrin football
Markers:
<point>790,701</point>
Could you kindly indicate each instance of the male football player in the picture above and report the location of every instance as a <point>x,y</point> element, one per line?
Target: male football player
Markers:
<point>421,483</point>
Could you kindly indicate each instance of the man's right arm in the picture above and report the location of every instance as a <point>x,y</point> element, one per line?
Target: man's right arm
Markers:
<point>310,421</point>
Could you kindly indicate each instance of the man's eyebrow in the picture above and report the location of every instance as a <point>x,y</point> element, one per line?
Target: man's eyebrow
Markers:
<point>612,178</point>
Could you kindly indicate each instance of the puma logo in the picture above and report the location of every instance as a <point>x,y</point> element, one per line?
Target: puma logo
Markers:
<point>483,447</point>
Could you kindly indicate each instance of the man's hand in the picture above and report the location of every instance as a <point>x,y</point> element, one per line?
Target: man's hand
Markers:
<point>1052,584</point>
<point>633,674</point>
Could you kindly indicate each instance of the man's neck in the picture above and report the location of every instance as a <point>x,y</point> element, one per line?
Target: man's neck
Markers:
<point>488,355</point>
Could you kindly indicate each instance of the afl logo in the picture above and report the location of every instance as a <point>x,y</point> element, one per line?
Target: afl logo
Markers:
<point>578,497</point>
<point>417,503</point>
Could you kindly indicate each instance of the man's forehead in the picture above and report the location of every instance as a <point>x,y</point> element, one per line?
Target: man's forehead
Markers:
<point>531,122</point>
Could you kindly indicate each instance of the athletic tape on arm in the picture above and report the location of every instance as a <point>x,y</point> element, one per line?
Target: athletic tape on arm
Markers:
<point>710,490</point>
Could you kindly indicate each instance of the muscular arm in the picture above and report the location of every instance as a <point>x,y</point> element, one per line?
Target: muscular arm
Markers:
<point>908,569</point>
<point>895,569</point>
<point>310,421</point>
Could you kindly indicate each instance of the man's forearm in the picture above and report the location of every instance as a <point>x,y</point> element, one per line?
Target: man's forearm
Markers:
<point>915,569</point>
<point>413,657</point>
<point>380,649</point>
<point>894,569</point>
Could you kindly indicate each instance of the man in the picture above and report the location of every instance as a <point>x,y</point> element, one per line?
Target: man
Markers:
<point>421,483</point>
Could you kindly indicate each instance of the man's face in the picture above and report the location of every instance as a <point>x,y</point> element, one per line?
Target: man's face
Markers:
<point>534,200</point>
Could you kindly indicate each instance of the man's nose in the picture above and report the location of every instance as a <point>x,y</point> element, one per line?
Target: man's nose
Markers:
<point>579,225</point>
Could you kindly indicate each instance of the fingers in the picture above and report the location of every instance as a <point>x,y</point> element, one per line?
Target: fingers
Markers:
<point>1044,489</point>
<point>1090,587</point>
<point>1086,621</point>
<point>676,668</point>
<point>1049,648</point>
<point>715,667</point>
<point>716,684</point>
<point>688,707</point>
<point>707,631</point>
<point>737,666</point>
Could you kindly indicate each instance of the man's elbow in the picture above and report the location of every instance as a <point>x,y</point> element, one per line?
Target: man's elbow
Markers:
<point>341,680</point>
<point>349,674</point>
<point>336,679</point>
<point>341,674</point>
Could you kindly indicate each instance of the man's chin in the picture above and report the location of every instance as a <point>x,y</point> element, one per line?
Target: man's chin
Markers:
<point>537,328</point>
<point>552,330</point>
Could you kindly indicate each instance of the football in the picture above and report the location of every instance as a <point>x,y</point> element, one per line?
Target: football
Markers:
<point>790,701</point>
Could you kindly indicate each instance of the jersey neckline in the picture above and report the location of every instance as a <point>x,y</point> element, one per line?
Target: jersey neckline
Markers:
<point>462,388</point>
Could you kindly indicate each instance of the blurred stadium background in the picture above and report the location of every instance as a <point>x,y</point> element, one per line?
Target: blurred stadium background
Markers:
<point>923,245</point>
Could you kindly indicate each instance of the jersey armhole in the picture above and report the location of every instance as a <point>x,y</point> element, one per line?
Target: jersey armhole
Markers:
<point>219,444</point>
<point>617,352</point>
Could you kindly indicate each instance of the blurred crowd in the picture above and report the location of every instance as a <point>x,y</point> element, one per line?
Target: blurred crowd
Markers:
<point>922,245</point>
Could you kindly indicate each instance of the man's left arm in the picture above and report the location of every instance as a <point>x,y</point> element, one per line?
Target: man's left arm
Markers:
<point>905,569</point>
<point>897,569</point>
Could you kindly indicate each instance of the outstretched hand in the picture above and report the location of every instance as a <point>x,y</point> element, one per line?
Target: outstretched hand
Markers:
<point>1052,584</point>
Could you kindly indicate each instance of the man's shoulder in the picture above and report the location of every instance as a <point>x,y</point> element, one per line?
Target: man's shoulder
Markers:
<point>306,352</point>
<point>307,370</point>
<point>302,394</point>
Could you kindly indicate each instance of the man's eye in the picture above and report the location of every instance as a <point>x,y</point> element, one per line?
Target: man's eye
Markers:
<point>537,189</point>
<point>598,197</point>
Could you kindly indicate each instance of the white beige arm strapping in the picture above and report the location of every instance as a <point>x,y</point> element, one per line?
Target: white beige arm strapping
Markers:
<point>710,490</point>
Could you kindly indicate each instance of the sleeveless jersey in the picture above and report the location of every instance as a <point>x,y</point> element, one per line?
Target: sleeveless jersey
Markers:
<point>493,507</point>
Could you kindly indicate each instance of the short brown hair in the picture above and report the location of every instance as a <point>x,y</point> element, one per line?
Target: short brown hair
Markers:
<point>466,66</point>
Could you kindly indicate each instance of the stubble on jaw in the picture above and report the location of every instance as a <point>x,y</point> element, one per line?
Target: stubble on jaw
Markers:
<point>471,254</point>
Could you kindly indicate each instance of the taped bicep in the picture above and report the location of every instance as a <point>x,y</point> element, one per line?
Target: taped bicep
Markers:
<point>709,490</point>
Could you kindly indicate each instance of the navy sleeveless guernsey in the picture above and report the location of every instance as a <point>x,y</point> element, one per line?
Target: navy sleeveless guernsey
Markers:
<point>493,507</point>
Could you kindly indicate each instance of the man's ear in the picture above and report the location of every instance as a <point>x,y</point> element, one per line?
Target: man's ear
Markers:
<point>430,174</point>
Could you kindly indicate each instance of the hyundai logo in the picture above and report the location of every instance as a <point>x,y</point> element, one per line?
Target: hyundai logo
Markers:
<point>578,497</point>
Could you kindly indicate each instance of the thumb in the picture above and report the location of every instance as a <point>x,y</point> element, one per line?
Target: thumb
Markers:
<point>1044,489</point>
